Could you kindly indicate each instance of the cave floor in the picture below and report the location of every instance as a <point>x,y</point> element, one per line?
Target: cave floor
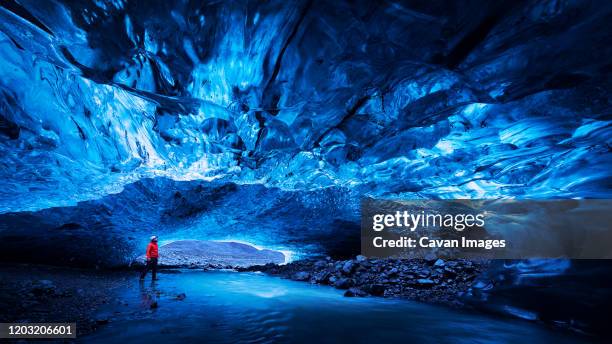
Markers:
<point>228,307</point>
<point>33,293</point>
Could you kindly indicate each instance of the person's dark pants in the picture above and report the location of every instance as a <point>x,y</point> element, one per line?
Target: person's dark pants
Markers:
<point>151,265</point>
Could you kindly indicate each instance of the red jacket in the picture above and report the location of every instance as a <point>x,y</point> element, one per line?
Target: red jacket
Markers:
<point>152,250</point>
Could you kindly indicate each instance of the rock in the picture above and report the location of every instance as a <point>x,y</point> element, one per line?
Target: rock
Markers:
<point>430,257</point>
<point>482,285</point>
<point>376,289</point>
<point>321,264</point>
<point>355,292</point>
<point>431,281</point>
<point>449,271</point>
<point>181,296</point>
<point>365,277</point>
<point>365,264</point>
<point>424,272</point>
<point>439,263</point>
<point>360,258</point>
<point>425,282</point>
<point>301,276</point>
<point>322,277</point>
<point>343,283</point>
<point>348,267</point>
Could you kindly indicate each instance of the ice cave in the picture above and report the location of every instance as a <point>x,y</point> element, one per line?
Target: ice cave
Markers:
<point>267,122</point>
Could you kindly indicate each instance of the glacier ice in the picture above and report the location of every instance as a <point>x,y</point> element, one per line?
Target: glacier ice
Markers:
<point>415,99</point>
<point>408,99</point>
<point>267,122</point>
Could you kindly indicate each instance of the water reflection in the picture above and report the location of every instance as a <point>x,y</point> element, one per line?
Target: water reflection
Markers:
<point>148,295</point>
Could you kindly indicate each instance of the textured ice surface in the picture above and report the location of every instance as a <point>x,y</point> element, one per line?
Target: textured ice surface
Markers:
<point>412,99</point>
<point>284,114</point>
<point>115,229</point>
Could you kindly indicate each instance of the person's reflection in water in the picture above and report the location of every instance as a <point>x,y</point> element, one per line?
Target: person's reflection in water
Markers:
<point>148,296</point>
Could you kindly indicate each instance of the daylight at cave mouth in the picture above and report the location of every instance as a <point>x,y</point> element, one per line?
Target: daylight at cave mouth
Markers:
<point>266,171</point>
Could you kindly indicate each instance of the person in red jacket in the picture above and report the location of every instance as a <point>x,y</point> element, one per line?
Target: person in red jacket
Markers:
<point>152,256</point>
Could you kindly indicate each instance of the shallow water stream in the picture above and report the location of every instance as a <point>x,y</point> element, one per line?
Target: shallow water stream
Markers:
<point>229,307</point>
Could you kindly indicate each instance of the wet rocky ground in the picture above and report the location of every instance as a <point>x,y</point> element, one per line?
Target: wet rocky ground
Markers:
<point>428,280</point>
<point>30,293</point>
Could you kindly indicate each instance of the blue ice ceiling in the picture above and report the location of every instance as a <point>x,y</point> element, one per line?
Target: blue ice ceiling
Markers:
<point>442,99</point>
